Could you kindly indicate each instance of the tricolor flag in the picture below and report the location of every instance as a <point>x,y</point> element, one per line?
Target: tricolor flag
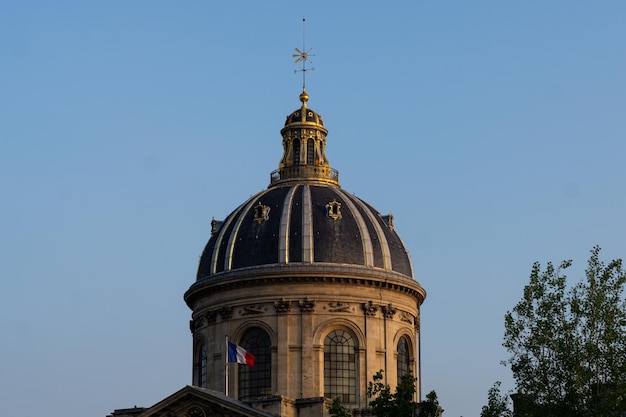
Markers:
<point>240,355</point>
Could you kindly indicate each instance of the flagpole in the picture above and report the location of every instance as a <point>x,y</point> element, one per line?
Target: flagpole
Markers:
<point>226,367</point>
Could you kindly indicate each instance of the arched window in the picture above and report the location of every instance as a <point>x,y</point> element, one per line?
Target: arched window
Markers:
<point>296,151</point>
<point>310,152</point>
<point>340,366</point>
<point>404,357</point>
<point>256,381</point>
<point>201,365</point>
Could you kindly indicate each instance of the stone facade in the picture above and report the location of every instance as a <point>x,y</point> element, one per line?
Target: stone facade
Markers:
<point>298,310</point>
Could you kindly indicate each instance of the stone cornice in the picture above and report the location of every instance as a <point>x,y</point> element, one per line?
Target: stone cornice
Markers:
<point>277,274</point>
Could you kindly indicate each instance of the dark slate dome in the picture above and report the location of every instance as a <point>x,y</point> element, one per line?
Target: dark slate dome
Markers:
<point>308,224</point>
<point>304,218</point>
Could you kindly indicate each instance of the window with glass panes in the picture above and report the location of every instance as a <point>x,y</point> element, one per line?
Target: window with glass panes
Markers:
<point>201,365</point>
<point>310,152</point>
<point>256,381</point>
<point>403,357</point>
<point>340,366</point>
<point>296,151</point>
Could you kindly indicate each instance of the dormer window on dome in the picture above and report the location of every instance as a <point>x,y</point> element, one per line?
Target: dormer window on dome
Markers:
<point>261,213</point>
<point>333,210</point>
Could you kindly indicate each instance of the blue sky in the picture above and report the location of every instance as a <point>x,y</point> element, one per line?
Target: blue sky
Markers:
<point>494,131</point>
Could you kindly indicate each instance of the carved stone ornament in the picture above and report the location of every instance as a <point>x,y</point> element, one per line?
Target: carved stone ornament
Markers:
<point>282,306</point>
<point>226,313</point>
<point>196,324</point>
<point>210,317</point>
<point>339,307</point>
<point>306,305</point>
<point>261,213</point>
<point>251,310</point>
<point>333,210</point>
<point>389,311</point>
<point>215,225</point>
<point>406,317</point>
<point>388,219</point>
<point>369,308</point>
<point>195,412</point>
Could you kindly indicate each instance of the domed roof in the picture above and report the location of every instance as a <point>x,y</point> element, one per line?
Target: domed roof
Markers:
<point>307,224</point>
<point>304,116</point>
<point>304,219</point>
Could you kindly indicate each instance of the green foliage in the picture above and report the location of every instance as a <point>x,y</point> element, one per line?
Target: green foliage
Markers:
<point>497,403</point>
<point>430,407</point>
<point>336,409</point>
<point>568,346</point>
<point>399,404</point>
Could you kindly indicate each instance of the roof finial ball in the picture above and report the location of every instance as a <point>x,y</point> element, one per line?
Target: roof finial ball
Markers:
<point>304,97</point>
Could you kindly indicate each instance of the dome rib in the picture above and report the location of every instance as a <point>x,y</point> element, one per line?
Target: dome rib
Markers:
<point>220,235</point>
<point>228,259</point>
<point>285,222</point>
<point>395,244</point>
<point>307,226</point>
<point>368,250</point>
<point>295,227</point>
<point>384,245</point>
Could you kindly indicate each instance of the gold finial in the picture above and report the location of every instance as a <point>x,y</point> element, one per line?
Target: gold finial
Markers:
<point>304,97</point>
<point>302,56</point>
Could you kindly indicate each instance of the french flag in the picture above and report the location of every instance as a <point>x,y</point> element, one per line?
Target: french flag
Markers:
<point>240,355</point>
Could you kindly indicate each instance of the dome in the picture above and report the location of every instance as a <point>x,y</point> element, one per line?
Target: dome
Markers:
<point>304,116</point>
<point>311,280</point>
<point>306,225</point>
<point>304,219</point>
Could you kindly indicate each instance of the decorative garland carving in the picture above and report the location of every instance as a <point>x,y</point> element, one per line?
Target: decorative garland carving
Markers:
<point>226,313</point>
<point>406,317</point>
<point>416,323</point>
<point>251,310</point>
<point>339,307</point>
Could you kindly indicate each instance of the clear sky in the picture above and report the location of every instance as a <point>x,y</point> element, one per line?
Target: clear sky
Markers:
<point>493,130</point>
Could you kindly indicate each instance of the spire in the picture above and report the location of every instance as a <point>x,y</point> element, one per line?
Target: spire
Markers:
<point>304,138</point>
<point>303,57</point>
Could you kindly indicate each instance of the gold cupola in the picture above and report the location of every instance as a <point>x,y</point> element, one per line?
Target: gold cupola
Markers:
<point>304,143</point>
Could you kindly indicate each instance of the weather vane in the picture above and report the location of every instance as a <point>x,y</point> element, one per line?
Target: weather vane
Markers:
<point>303,56</point>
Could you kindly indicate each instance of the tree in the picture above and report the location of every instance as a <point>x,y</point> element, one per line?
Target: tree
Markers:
<point>399,404</point>
<point>336,409</point>
<point>497,404</point>
<point>567,345</point>
<point>430,407</point>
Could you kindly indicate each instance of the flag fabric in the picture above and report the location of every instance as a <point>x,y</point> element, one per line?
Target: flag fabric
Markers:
<point>238,354</point>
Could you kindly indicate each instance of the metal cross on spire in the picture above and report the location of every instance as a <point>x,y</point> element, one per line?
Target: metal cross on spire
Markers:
<point>303,56</point>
